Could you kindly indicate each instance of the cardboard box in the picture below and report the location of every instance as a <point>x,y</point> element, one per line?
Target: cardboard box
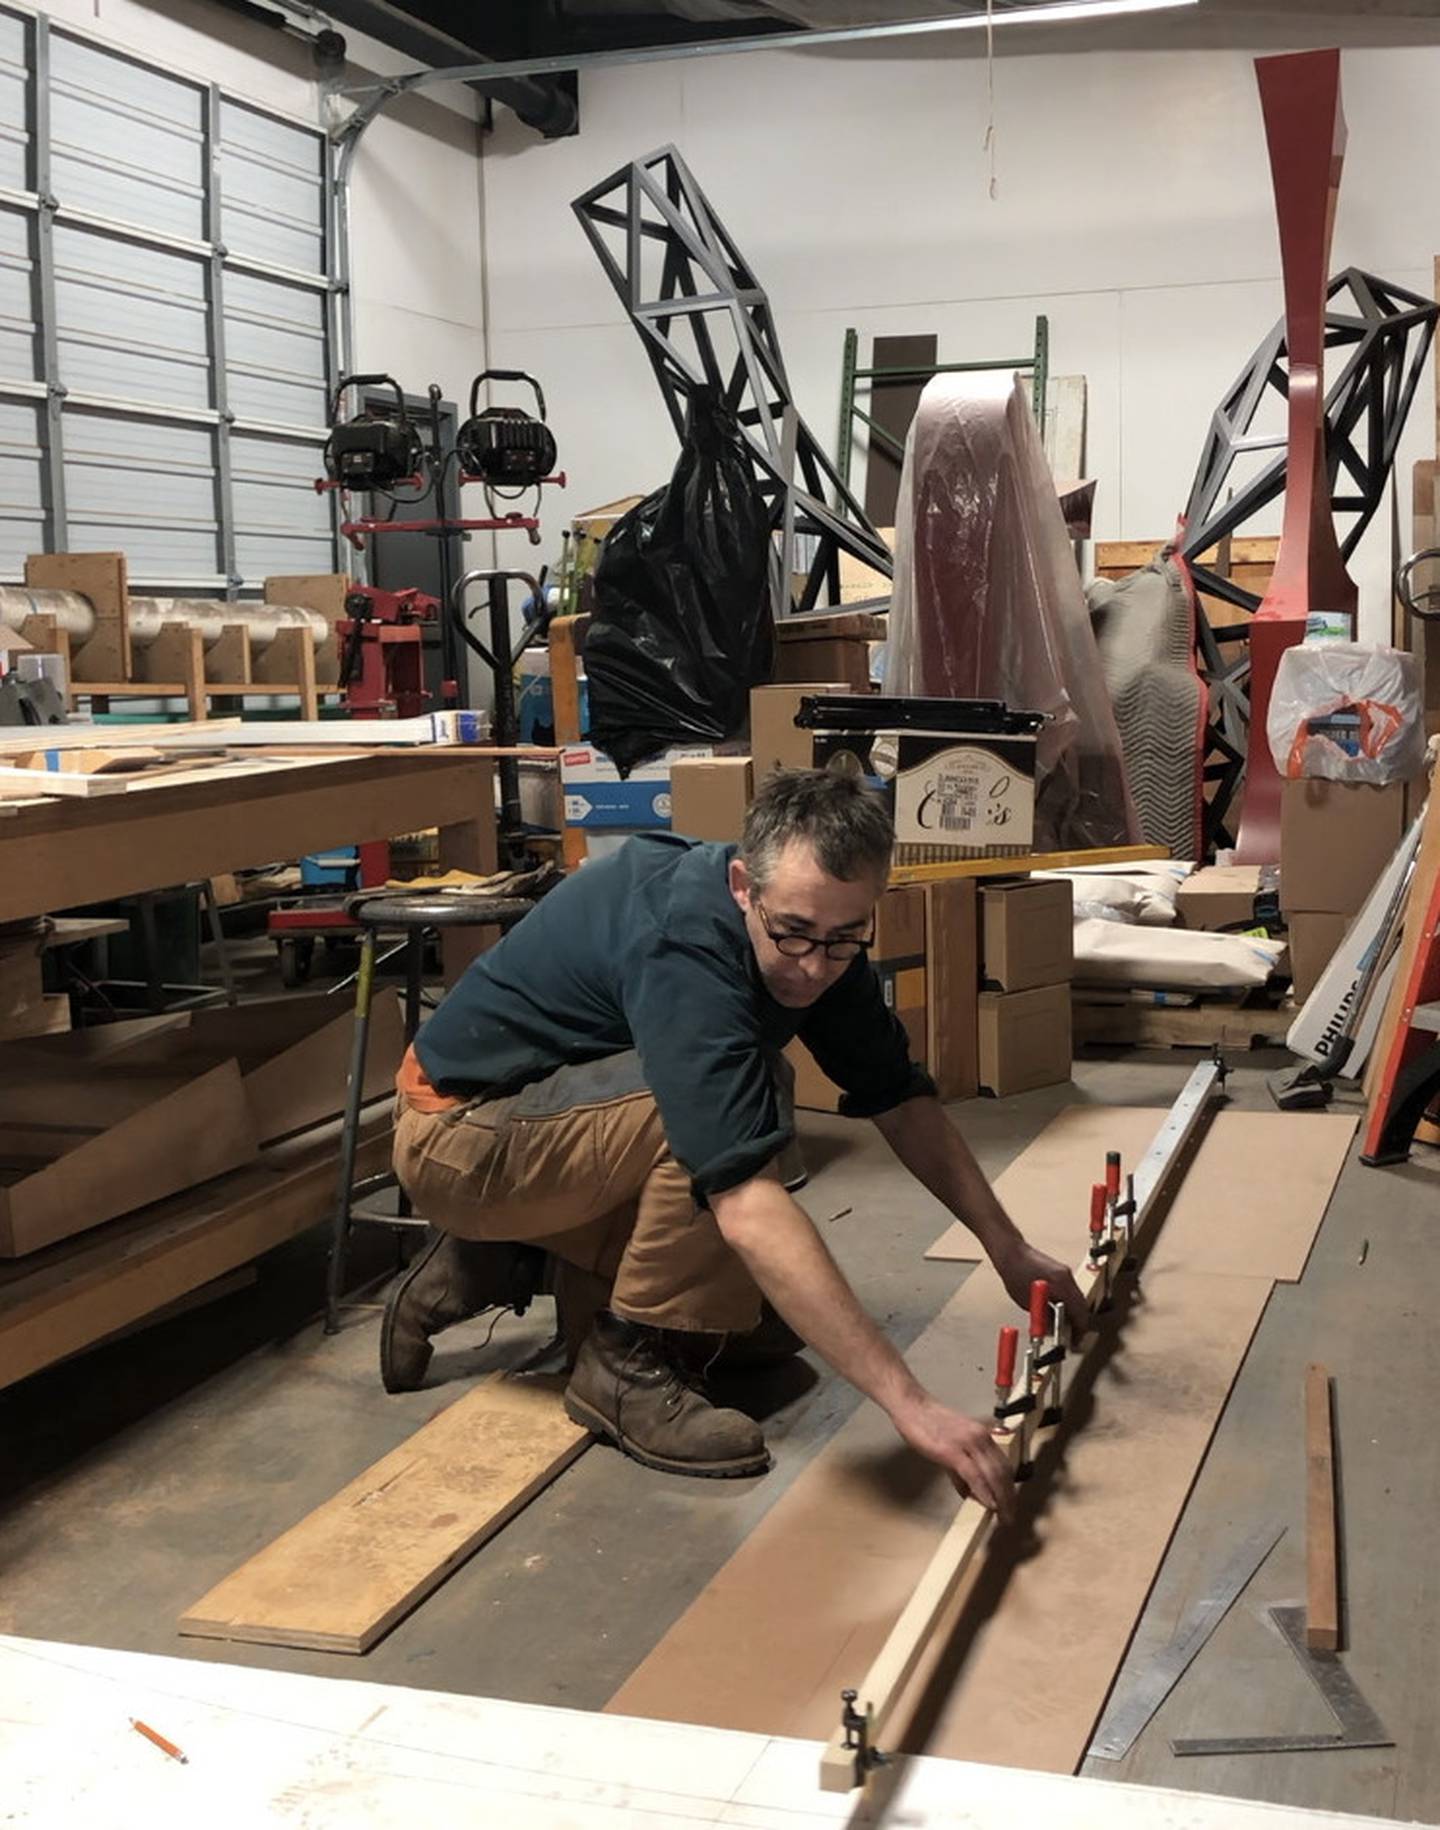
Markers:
<point>975,797</point>
<point>952,977</point>
<point>1335,839</point>
<point>833,646</point>
<point>1314,936</point>
<point>1228,896</point>
<point>595,796</point>
<point>1024,1039</point>
<point>775,743</point>
<point>1027,934</point>
<point>709,795</point>
<point>898,957</point>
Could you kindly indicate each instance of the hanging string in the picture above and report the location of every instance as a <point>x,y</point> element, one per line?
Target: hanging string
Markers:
<point>990,92</point>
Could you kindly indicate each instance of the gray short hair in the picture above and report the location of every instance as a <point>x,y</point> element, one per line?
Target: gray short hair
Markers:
<point>846,824</point>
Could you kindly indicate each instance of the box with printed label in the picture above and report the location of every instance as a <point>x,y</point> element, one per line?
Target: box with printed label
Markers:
<point>974,794</point>
<point>596,796</point>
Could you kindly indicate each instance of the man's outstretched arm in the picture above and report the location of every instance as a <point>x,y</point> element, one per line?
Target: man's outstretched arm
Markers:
<point>936,1155</point>
<point>790,1262</point>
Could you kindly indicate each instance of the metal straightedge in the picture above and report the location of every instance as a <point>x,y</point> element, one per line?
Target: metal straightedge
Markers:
<point>1359,1724</point>
<point>1123,1723</point>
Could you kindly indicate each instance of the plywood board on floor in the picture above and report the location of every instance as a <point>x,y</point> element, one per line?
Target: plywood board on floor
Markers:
<point>803,1606</point>
<point>1249,1206</point>
<point>343,1576</point>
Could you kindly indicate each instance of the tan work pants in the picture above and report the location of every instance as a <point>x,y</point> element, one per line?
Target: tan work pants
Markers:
<point>578,1164</point>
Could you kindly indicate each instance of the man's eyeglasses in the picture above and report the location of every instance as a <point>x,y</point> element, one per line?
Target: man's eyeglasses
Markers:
<point>798,946</point>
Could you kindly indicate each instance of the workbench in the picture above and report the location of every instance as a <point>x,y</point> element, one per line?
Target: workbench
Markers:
<point>61,853</point>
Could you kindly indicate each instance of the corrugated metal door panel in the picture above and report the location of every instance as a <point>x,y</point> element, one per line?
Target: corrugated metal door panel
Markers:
<point>132,321</point>
<point>127,142</point>
<point>275,351</point>
<point>22,489</point>
<point>281,524</point>
<point>15,172</point>
<point>272,202</point>
<point>19,344</point>
<point>145,488</point>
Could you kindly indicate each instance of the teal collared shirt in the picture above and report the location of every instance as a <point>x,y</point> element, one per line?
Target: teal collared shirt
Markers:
<point>647,949</point>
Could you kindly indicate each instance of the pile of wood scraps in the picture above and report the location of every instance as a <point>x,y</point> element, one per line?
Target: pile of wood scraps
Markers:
<point>99,1122</point>
<point>66,1298</point>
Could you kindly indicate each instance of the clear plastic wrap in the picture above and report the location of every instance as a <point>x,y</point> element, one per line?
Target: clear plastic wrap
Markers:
<point>1346,712</point>
<point>988,603</point>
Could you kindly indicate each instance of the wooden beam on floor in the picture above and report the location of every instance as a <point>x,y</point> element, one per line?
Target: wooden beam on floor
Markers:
<point>1322,1569</point>
<point>340,1579</point>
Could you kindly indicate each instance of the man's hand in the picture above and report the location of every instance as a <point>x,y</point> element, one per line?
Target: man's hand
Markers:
<point>1019,1264</point>
<point>964,1448</point>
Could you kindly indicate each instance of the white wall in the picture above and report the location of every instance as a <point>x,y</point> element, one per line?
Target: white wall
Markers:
<point>416,210</point>
<point>1134,208</point>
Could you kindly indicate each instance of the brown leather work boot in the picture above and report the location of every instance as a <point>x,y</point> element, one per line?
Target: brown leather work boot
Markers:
<point>771,1342</point>
<point>630,1386</point>
<point>449,1281</point>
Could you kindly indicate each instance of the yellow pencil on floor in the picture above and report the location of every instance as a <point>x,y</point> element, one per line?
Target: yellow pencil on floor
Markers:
<point>158,1740</point>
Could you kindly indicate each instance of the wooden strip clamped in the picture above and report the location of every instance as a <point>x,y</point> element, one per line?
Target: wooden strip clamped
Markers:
<point>853,1751</point>
<point>1322,1568</point>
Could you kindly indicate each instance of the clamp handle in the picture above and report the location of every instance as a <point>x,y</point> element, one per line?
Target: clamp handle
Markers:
<point>1005,1354</point>
<point>1039,1309</point>
<point>1098,1198</point>
<point>1112,1174</point>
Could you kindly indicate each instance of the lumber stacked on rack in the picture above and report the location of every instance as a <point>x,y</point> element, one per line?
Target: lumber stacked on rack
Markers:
<point>177,663</point>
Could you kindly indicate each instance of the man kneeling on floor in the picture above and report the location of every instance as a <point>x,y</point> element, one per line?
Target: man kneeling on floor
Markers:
<point>602,1086</point>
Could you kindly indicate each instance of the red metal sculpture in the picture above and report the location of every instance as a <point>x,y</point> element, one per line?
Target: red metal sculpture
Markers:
<point>1305,131</point>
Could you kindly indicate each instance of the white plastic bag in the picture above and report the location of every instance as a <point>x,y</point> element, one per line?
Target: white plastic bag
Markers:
<point>1347,712</point>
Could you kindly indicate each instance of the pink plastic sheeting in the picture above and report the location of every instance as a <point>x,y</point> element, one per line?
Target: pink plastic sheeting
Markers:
<point>988,604</point>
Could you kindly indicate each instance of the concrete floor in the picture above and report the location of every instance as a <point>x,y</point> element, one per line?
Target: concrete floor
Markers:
<point>135,1477</point>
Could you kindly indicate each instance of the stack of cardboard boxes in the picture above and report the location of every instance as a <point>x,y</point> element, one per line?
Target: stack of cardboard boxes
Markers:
<point>927,952</point>
<point>1335,840</point>
<point>1027,961</point>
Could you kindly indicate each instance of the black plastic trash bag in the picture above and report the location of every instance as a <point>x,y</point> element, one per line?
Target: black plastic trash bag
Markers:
<point>682,626</point>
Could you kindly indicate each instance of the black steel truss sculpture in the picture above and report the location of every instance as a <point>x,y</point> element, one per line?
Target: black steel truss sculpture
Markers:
<point>685,285</point>
<point>1387,331</point>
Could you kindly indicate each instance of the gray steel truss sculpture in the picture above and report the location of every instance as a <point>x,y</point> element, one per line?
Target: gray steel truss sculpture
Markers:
<point>706,323</point>
<point>1386,332</point>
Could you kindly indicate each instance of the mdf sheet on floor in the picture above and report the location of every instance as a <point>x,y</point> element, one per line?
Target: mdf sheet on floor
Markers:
<point>348,1571</point>
<point>1029,1652</point>
<point>1249,1203</point>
